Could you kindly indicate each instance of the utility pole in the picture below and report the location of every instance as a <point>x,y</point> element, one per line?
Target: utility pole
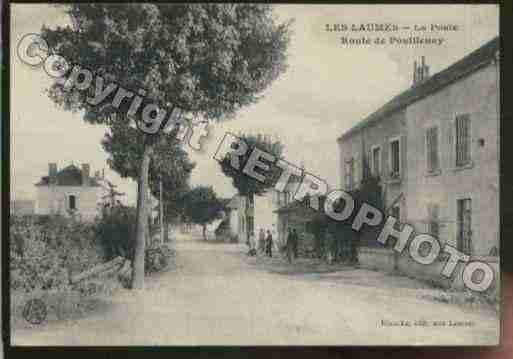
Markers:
<point>161,213</point>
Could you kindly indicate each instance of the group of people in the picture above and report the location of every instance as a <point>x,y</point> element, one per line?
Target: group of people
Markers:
<point>265,243</point>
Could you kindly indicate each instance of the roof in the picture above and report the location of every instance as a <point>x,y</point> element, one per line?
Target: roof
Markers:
<point>68,176</point>
<point>463,67</point>
<point>300,206</point>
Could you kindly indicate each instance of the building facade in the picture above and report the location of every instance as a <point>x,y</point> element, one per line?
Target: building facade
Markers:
<point>261,212</point>
<point>435,149</point>
<point>453,179</point>
<point>69,191</point>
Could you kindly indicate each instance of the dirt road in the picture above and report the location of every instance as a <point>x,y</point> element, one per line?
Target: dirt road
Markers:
<point>216,296</point>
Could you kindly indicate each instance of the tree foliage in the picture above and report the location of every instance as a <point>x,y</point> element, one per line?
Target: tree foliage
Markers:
<point>247,185</point>
<point>202,206</point>
<point>210,60</point>
<point>110,199</point>
<point>175,180</point>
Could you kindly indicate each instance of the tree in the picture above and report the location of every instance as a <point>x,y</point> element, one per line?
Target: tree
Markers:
<point>110,199</point>
<point>203,207</point>
<point>246,185</point>
<point>210,60</point>
<point>175,182</point>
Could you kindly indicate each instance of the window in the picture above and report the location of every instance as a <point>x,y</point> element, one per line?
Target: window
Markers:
<point>433,220</point>
<point>464,228</point>
<point>395,158</point>
<point>72,202</point>
<point>376,161</point>
<point>349,174</point>
<point>462,140</point>
<point>433,162</point>
<point>395,212</point>
<point>356,170</point>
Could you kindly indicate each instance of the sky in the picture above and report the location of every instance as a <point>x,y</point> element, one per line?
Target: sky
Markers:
<point>328,88</point>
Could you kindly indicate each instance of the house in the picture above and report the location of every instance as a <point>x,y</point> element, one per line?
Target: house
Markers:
<point>300,216</point>
<point>435,149</point>
<point>232,216</point>
<point>239,212</point>
<point>250,214</point>
<point>70,190</point>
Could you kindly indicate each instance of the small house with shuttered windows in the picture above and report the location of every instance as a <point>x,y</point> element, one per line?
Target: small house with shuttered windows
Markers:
<point>71,190</point>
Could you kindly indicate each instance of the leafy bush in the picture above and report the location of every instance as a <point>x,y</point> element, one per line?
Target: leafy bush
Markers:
<point>45,253</point>
<point>115,231</point>
<point>157,258</point>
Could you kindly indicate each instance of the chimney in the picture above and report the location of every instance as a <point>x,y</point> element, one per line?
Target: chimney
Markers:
<point>85,174</point>
<point>52,173</point>
<point>420,71</point>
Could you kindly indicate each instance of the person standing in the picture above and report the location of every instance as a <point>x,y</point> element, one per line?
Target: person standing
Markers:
<point>269,244</point>
<point>289,245</point>
<point>261,240</point>
<point>295,240</point>
<point>251,244</point>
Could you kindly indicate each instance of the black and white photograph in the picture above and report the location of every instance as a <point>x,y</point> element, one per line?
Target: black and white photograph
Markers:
<point>254,174</point>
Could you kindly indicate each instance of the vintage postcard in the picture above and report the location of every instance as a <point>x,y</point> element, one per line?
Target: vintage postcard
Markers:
<point>254,174</point>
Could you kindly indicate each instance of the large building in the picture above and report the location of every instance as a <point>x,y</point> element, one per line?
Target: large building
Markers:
<point>70,190</point>
<point>435,149</point>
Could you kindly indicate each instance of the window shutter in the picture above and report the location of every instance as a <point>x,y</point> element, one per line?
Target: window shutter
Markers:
<point>466,126</point>
<point>397,155</point>
<point>434,140</point>
<point>432,148</point>
<point>376,161</point>
<point>356,169</point>
<point>347,169</point>
<point>428,150</point>
<point>462,139</point>
<point>402,154</point>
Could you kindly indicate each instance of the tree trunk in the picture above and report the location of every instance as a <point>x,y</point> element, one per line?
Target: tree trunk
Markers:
<point>204,232</point>
<point>166,230</point>
<point>142,221</point>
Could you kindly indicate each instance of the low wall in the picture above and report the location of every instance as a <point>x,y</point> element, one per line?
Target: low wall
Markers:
<point>377,259</point>
<point>387,260</point>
